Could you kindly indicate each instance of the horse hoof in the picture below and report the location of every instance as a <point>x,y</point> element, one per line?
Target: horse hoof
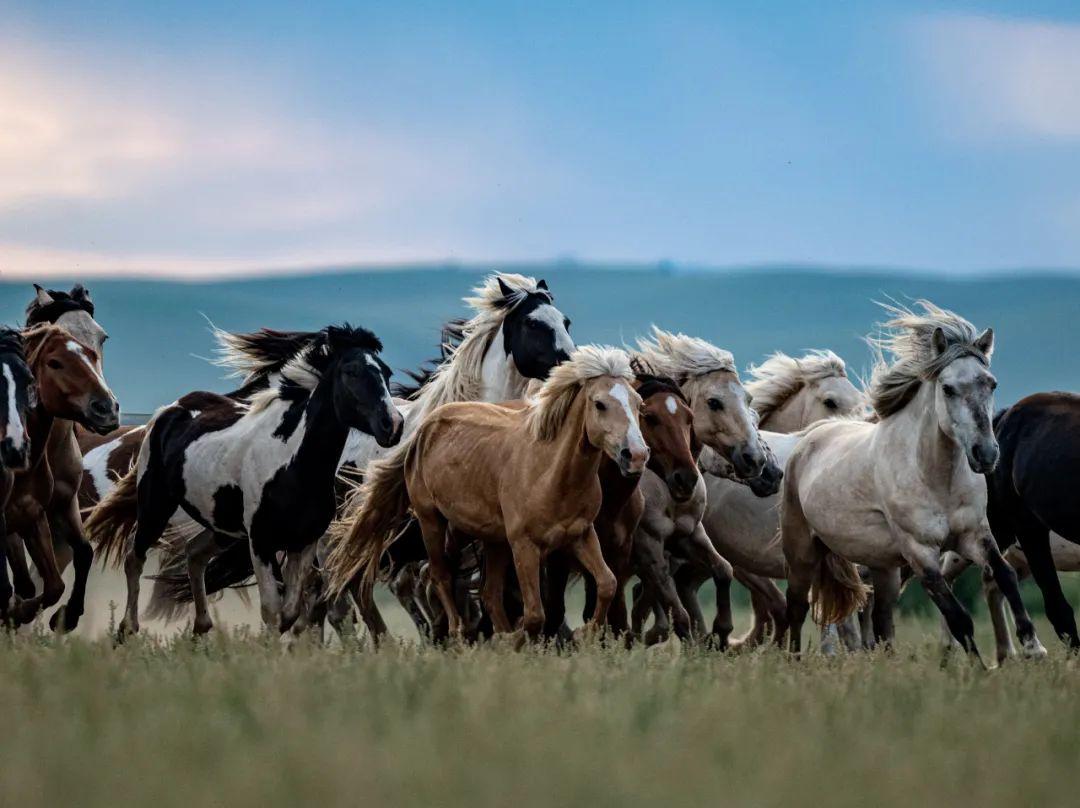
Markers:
<point>202,626</point>
<point>1035,650</point>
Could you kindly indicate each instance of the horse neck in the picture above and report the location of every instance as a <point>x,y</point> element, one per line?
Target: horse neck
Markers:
<point>499,377</point>
<point>789,416</point>
<point>617,488</point>
<point>937,456</point>
<point>39,428</point>
<point>574,461</point>
<point>324,435</point>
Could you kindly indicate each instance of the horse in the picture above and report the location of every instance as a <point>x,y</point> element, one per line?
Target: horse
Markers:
<point>516,335</point>
<point>724,423</point>
<point>262,472</point>
<point>18,396</point>
<point>1031,501</point>
<point>522,480</point>
<point>74,312</point>
<point>788,395</point>
<point>70,388</point>
<point>900,490</point>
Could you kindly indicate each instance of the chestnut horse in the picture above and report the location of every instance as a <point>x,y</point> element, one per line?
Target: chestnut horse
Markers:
<point>70,389</point>
<point>524,481</point>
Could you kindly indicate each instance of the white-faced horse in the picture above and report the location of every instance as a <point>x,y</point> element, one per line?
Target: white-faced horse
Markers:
<point>263,472</point>
<point>903,489</point>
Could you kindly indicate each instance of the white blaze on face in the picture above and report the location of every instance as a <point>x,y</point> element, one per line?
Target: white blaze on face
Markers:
<point>14,426</point>
<point>387,400</point>
<point>671,404</point>
<point>77,349</point>
<point>553,318</point>
<point>634,440</point>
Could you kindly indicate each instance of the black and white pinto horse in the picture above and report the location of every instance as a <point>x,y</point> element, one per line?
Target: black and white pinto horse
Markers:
<point>18,395</point>
<point>261,471</point>
<point>516,335</point>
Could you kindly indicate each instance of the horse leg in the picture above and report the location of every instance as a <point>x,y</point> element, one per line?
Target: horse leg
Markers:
<point>591,557</point>
<point>298,566</point>
<point>761,615</point>
<point>688,580</point>
<point>652,566</point>
<point>527,565</point>
<point>493,591</point>
<point>433,525</point>
<point>21,578</point>
<point>926,565</point>
<point>200,550</point>
<point>69,521</point>
<point>6,590</point>
<point>557,576</point>
<point>40,546</point>
<point>886,592</point>
<point>995,605</point>
<point>269,596</point>
<point>803,554</point>
<point>405,585</point>
<point>1005,577</point>
<point>699,548</point>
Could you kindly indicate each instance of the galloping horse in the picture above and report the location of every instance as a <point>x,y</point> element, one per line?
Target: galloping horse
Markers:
<point>517,335</point>
<point>524,481</point>
<point>18,396</point>
<point>262,472</point>
<point>903,489</point>
<point>70,389</point>
<point>724,423</point>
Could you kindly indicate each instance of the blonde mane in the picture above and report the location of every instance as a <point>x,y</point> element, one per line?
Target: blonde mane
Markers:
<point>34,338</point>
<point>908,337</point>
<point>780,377</point>
<point>553,400</point>
<point>681,357</point>
<point>460,376</point>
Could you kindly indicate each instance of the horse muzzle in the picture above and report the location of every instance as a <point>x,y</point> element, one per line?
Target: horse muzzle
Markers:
<point>389,430</point>
<point>748,461</point>
<point>768,482</point>
<point>983,457</point>
<point>632,462</point>
<point>681,483</point>
<point>102,415</point>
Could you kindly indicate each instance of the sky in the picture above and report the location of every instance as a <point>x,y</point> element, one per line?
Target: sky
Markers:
<point>192,140</point>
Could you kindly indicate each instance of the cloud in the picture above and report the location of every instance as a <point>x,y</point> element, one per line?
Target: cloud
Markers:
<point>107,168</point>
<point>1003,78</point>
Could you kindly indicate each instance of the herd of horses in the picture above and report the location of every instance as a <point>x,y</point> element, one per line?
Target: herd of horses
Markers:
<point>517,460</point>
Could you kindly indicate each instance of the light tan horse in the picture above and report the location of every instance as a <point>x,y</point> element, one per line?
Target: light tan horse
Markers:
<point>523,480</point>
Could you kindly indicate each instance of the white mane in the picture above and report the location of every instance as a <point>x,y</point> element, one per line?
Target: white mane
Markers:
<point>682,357</point>
<point>780,377</point>
<point>553,400</point>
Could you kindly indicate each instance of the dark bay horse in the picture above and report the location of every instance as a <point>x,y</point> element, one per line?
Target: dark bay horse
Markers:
<point>18,395</point>
<point>1033,491</point>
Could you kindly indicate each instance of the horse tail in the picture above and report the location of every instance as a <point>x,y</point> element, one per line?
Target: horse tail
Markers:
<point>837,590</point>
<point>374,515</point>
<point>113,520</point>
<point>171,594</point>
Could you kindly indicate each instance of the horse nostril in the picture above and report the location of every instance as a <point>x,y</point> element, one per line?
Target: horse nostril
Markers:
<point>626,454</point>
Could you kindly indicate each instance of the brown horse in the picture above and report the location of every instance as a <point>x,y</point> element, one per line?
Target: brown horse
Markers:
<point>70,388</point>
<point>524,481</point>
<point>17,396</point>
<point>667,424</point>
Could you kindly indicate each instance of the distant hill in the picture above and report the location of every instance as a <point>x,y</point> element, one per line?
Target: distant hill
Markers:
<point>158,332</point>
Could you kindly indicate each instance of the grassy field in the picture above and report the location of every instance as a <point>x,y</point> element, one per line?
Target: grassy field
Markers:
<point>234,720</point>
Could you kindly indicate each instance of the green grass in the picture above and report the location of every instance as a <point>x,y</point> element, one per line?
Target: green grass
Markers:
<point>235,720</point>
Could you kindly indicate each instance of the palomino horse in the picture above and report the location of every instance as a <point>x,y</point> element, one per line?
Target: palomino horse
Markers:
<point>263,472</point>
<point>903,489</point>
<point>516,335</point>
<point>18,396</point>
<point>70,389</point>
<point>524,481</point>
<point>74,312</point>
<point>724,423</point>
<point>788,395</point>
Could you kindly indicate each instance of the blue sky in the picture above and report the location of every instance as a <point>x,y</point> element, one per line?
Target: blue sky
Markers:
<point>189,140</point>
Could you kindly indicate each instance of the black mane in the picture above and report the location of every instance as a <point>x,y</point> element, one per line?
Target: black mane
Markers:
<point>11,342</point>
<point>62,302</point>
<point>453,332</point>
<point>650,385</point>
<point>272,349</point>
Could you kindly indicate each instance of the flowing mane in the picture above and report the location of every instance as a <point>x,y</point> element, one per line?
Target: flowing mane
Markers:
<point>313,351</point>
<point>78,299</point>
<point>909,339</point>
<point>34,338</point>
<point>459,376</point>
<point>553,401</point>
<point>451,338</point>
<point>778,378</point>
<point>681,357</point>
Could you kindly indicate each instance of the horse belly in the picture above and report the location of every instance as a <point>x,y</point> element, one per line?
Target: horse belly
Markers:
<point>743,527</point>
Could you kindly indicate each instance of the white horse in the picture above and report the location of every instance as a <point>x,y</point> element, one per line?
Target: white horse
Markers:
<point>902,490</point>
<point>724,423</point>
<point>788,395</point>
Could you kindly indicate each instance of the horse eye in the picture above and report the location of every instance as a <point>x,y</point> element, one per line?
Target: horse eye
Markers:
<point>830,404</point>
<point>948,390</point>
<point>601,406</point>
<point>55,364</point>
<point>715,404</point>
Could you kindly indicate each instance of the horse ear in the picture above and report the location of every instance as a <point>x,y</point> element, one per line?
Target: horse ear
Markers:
<point>985,342</point>
<point>542,284</point>
<point>43,297</point>
<point>506,290</point>
<point>939,342</point>
<point>80,293</point>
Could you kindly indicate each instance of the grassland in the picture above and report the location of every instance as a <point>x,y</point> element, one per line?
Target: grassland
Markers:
<point>234,720</point>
